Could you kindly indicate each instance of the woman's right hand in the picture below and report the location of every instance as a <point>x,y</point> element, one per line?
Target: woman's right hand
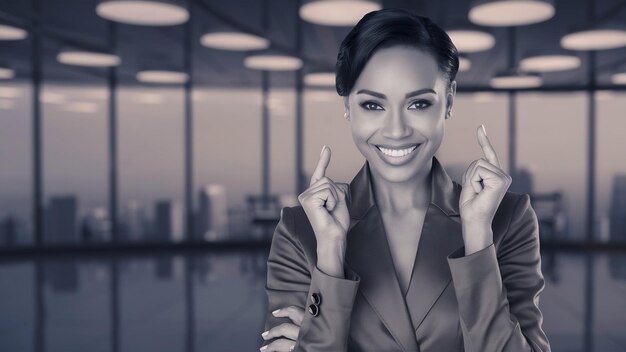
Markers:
<point>324,203</point>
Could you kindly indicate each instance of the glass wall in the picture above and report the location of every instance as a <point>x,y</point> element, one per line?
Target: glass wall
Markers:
<point>16,210</point>
<point>552,153</point>
<point>460,145</point>
<point>610,185</point>
<point>151,163</point>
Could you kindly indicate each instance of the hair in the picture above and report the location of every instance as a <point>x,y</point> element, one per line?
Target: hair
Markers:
<point>390,27</point>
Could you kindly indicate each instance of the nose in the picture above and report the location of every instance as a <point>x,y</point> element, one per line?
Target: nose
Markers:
<point>395,126</point>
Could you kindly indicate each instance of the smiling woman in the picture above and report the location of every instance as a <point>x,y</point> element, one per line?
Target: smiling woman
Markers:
<point>403,258</point>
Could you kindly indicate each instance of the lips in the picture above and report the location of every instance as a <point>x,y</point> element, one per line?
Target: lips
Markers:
<point>397,156</point>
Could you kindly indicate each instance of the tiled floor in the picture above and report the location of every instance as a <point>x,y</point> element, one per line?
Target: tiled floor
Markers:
<point>216,302</point>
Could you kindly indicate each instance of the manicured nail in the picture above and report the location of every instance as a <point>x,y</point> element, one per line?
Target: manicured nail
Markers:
<point>276,311</point>
<point>322,152</point>
<point>264,334</point>
<point>263,348</point>
<point>483,126</point>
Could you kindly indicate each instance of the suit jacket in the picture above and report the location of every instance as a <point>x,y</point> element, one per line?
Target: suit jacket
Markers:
<point>482,302</point>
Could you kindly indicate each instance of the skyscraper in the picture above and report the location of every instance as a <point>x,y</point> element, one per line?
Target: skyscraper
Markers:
<point>213,213</point>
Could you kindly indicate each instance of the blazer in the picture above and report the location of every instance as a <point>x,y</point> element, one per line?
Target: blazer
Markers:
<point>482,302</point>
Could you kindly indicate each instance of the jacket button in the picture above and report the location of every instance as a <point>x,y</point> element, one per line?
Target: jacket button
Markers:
<point>314,310</point>
<point>316,298</point>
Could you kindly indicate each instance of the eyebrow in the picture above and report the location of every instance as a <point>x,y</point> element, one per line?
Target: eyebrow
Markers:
<point>408,95</point>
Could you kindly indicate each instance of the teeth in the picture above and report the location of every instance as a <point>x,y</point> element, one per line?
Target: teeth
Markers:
<point>397,152</point>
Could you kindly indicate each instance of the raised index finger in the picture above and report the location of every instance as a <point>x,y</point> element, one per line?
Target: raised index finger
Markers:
<point>485,144</point>
<point>322,164</point>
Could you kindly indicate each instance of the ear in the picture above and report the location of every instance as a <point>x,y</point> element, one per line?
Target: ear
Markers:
<point>450,97</point>
<point>346,103</point>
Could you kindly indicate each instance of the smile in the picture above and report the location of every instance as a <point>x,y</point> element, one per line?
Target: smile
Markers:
<point>397,152</point>
<point>397,156</point>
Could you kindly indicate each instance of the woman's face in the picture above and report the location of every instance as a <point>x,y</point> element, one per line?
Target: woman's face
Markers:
<point>397,110</point>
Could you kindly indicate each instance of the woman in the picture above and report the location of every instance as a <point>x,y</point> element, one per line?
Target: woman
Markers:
<point>403,258</point>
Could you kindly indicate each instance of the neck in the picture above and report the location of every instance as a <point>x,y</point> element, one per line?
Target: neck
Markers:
<point>400,197</point>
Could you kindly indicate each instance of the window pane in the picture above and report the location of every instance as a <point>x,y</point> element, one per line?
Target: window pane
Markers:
<point>151,167</point>
<point>460,145</point>
<point>16,214</point>
<point>552,140</point>
<point>611,167</point>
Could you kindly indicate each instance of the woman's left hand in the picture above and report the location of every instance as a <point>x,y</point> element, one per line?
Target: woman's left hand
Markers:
<point>288,331</point>
<point>484,186</point>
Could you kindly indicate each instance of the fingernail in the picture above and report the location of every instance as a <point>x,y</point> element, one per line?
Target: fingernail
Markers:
<point>483,126</point>
<point>322,152</point>
<point>265,333</point>
<point>263,348</point>
<point>276,311</point>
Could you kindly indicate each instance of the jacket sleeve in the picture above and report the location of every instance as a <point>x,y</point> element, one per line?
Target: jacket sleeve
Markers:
<point>498,297</point>
<point>291,282</point>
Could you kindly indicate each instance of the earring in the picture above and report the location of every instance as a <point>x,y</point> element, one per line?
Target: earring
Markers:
<point>346,116</point>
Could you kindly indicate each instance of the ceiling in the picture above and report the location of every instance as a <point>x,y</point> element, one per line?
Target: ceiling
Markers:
<point>67,22</point>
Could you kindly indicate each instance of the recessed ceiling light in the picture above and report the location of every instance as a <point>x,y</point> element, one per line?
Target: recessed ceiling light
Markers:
<point>321,95</point>
<point>52,98</point>
<point>464,64</point>
<point>594,39</point>
<point>161,76</point>
<point>512,81</point>
<point>88,58</point>
<point>546,63</point>
<point>619,78</point>
<point>9,92</point>
<point>234,41</point>
<point>336,12</point>
<point>81,107</point>
<point>498,13</point>
<point>272,62</point>
<point>12,33</point>
<point>143,12</point>
<point>470,40</point>
<point>6,73</point>
<point>320,79</point>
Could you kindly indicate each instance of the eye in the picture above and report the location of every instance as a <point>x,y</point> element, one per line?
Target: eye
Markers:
<point>370,105</point>
<point>421,104</point>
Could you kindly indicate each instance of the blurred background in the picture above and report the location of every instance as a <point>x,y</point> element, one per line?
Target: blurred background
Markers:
<point>147,147</point>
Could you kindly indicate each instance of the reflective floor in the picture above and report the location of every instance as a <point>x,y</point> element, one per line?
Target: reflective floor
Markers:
<point>215,301</point>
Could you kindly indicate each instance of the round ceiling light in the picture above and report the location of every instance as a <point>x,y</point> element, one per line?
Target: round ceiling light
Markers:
<point>504,13</point>
<point>618,78</point>
<point>143,12</point>
<point>326,79</point>
<point>272,62</point>
<point>12,33</point>
<point>6,73</point>
<point>595,39</point>
<point>513,81</point>
<point>160,76</point>
<point>81,107</point>
<point>52,98</point>
<point>464,64</point>
<point>337,12</point>
<point>88,58</point>
<point>547,63</point>
<point>234,41</point>
<point>470,41</point>
<point>9,92</point>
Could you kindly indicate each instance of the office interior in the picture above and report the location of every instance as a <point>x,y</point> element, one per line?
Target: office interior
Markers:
<point>147,148</point>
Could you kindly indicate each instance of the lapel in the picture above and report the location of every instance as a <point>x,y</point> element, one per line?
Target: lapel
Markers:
<point>368,254</point>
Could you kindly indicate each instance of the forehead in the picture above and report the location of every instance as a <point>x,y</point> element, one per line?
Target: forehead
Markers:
<point>400,69</point>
